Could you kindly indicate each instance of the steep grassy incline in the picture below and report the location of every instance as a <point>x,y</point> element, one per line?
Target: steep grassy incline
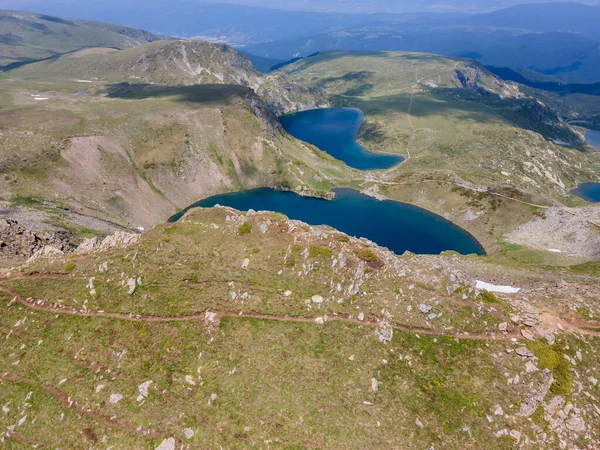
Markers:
<point>26,36</point>
<point>237,330</point>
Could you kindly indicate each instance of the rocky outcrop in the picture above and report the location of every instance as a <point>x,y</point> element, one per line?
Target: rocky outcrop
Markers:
<point>120,239</point>
<point>17,241</point>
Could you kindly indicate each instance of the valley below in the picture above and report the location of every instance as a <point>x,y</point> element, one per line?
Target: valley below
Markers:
<point>357,250</point>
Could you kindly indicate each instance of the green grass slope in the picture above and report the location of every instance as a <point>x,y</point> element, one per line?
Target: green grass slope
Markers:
<point>26,36</point>
<point>252,330</point>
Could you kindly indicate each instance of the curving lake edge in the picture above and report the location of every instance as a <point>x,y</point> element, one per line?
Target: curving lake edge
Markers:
<point>398,226</point>
<point>335,131</point>
<point>588,191</point>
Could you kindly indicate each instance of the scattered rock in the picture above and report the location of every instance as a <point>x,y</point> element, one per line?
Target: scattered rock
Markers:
<point>503,327</point>
<point>167,444</point>
<point>143,388</point>
<point>516,435</point>
<point>536,396</point>
<point>530,367</point>
<point>131,285</point>
<point>317,299</point>
<point>374,385</point>
<point>424,308</point>
<point>188,433</point>
<point>245,263</point>
<point>528,335</point>
<point>210,317</point>
<point>525,352</point>
<point>115,398</point>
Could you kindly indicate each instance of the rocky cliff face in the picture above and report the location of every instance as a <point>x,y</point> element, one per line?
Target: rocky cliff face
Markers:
<point>17,241</point>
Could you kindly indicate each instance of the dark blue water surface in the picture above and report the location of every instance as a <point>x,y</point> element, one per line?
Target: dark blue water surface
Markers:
<point>397,226</point>
<point>333,130</point>
<point>592,137</point>
<point>588,191</point>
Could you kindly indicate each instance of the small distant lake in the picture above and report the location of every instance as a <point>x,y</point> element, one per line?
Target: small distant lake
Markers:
<point>588,191</point>
<point>334,130</point>
<point>592,137</point>
<point>397,226</point>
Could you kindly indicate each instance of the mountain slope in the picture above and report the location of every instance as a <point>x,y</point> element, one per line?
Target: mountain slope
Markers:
<point>199,335</point>
<point>27,36</point>
<point>478,150</point>
<point>176,63</point>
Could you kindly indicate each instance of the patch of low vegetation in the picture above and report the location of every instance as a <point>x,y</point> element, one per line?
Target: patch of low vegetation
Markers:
<point>316,251</point>
<point>70,266</point>
<point>488,297</point>
<point>245,228</point>
<point>552,357</point>
<point>369,256</point>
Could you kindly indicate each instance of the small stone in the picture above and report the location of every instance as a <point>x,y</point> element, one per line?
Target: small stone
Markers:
<point>143,388</point>
<point>424,308</point>
<point>320,320</point>
<point>419,423</point>
<point>550,338</point>
<point>167,444</point>
<point>131,284</point>
<point>528,335</point>
<point>503,326</point>
<point>374,384</point>
<point>317,299</point>
<point>515,319</point>
<point>245,263</point>
<point>361,316</point>
<point>498,411</point>
<point>516,435</point>
<point>210,317</point>
<point>525,352</point>
<point>190,380</point>
<point>287,293</point>
<point>115,398</point>
<point>188,433</point>
<point>432,316</point>
<point>530,367</point>
<point>576,424</point>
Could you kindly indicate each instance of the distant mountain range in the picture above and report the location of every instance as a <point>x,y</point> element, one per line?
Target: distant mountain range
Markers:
<point>27,37</point>
<point>550,42</point>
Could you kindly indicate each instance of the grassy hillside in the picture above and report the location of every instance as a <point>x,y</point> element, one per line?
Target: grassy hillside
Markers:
<point>136,153</point>
<point>26,36</point>
<point>247,330</point>
<point>175,62</point>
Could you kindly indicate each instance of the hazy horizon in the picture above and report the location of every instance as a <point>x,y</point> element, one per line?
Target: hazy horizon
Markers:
<point>337,6</point>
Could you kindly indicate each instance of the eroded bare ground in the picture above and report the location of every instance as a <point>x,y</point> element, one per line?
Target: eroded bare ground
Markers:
<point>193,332</point>
<point>572,231</point>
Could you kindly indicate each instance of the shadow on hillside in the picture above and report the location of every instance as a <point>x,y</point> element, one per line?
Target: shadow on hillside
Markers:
<point>199,93</point>
<point>479,106</point>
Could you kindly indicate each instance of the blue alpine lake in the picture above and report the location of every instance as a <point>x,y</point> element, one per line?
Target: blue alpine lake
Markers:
<point>397,226</point>
<point>588,191</point>
<point>592,137</point>
<point>334,130</point>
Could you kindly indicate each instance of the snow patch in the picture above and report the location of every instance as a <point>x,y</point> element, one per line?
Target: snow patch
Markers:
<point>495,288</point>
